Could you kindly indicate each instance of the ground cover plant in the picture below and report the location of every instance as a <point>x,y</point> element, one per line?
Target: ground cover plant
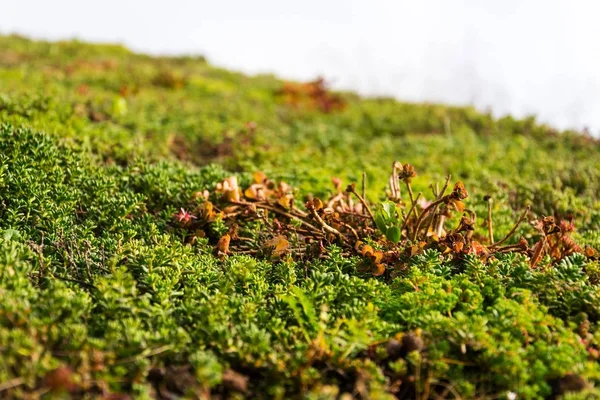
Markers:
<point>169,229</point>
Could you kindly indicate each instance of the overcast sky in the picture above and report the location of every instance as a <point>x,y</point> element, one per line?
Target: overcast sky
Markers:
<point>522,57</point>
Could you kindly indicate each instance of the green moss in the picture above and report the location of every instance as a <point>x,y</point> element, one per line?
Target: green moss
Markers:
<point>99,147</point>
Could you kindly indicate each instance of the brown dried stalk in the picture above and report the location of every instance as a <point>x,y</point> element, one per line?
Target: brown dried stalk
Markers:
<point>505,238</point>
<point>352,189</point>
<point>489,220</point>
<point>324,226</point>
<point>407,216</point>
<point>394,187</point>
<point>423,214</point>
<point>278,211</point>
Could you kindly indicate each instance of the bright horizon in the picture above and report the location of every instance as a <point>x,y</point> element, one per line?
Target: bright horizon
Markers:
<point>529,57</point>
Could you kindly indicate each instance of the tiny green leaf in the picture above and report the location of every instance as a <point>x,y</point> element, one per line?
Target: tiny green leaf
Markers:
<point>389,209</point>
<point>380,222</point>
<point>393,234</point>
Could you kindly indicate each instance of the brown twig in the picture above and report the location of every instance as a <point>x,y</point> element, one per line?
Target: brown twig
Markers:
<point>440,225</point>
<point>441,194</point>
<point>394,187</point>
<point>505,238</point>
<point>410,210</point>
<point>364,185</point>
<point>351,229</point>
<point>432,220</point>
<point>352,189</point>
<point>278,211</point>
<point>425,211</point>
<point>489,221</point>
<point>410,193</point>
<point>324,225</point>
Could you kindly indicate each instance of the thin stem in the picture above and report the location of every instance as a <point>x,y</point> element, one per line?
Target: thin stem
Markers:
<point>324,225</point>
<point>440,225</point>
<point>280,212</point>
<point>505,238</point>
<point>441,194</point>
<point>352,190</point>
<point>364,185</point>
<point>410,193</point>
<point>431,220</point>
<point>412,207</point>
<point>395,189</point>
<point>351,229</point>
<point>423,214</point>
<point>489,221</point>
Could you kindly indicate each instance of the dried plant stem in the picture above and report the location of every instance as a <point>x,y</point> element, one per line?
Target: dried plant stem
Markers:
<point>431,220</point>
<point>352,190</point>
<point>440,225</point>
<point>472,214</point>
<point>353,214</point>
<point>79,282</point>
<point>441,194</point>
<point>394,188</point>
<point>326,227</point>
<point>538,251</point>
<point>308,232</point>
<point>423,214</point>
<point>255,251</point>
<point>508,248</point>
<point>280,212</point>
<point>410,193</point>
<point>489,221</point>
<point>350,228</point>
<point>434,189</point>
<point>505,238</point>
<point>364,185</point>
<point>410,210</point>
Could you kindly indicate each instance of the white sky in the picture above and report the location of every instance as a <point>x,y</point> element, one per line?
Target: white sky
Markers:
<point>522,57</point>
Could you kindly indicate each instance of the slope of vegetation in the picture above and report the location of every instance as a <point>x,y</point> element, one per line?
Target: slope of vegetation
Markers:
<point>169,229</point>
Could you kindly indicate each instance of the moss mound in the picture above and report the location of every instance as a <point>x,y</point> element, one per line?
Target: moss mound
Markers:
<point>112,285</point>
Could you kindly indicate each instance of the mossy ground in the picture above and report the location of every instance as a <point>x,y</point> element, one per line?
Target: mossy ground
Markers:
<point>101,295</point>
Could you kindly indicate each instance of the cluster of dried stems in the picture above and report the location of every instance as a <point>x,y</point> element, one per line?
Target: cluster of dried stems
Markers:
<point>348,220</point>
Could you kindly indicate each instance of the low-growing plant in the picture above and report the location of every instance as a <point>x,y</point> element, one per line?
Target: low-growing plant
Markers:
<point>133,266</point>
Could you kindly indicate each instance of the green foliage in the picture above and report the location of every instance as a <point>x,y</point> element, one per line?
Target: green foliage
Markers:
<point>100,293</point>
<point>388,222</point>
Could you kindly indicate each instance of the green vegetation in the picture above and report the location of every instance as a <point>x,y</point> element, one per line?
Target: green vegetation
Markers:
<point>132,265</point>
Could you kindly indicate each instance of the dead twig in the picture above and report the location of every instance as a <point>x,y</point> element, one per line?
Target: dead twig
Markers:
<point>323,224</point>
<point>489,220</point>
<point>410,210</point>
<point>505,238</point>
<point>352,189</point>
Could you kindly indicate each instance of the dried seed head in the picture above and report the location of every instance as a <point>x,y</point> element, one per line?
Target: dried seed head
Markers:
<point>407,173</point>
<point>549,226</point>
<point>459,192</point>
